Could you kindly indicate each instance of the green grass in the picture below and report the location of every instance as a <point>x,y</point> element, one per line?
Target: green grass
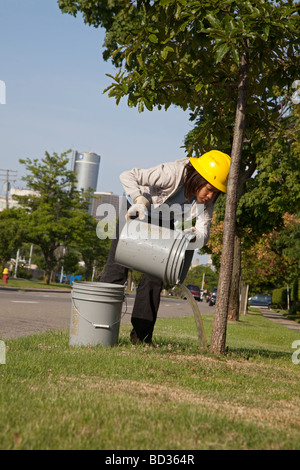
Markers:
<point>171,397</point>
<point>26,283</point>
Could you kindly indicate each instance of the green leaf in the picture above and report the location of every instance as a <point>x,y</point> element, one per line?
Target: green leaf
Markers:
<point>266,31</point>
<point>153,38</point>
<point>129,58</point>
<point>183,26</point>
<point>140,107</point>
<point>213,21</point>
<point>235,55</point>
<point>199,87</point>
<point>165,51</point>
<point>165,2</point>
<point>221,51</point>
<point>164,54</point>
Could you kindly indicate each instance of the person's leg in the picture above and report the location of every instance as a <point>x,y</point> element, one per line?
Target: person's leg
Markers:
<point>144,313</point>
<point>145,308</point>
<point>115,273</point>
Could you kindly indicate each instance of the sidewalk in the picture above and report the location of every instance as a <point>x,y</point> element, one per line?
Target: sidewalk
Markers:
<point>278,318</point>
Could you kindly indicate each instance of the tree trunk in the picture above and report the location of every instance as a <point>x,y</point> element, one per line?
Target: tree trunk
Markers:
<point>244,298</point>
<point>234,297</point>
<point>218,340</point>
<point>47,276</point>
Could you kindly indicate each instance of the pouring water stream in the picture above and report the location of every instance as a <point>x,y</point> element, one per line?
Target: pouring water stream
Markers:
<point>197,315</point>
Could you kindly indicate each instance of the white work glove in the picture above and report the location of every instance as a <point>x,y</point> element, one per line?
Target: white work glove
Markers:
<point>197,242</point>
<point>139,209</point>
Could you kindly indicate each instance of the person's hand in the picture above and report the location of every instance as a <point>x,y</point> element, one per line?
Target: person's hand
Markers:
<point>190,230</point>
<point>197,242</point>
<point>139,209</point>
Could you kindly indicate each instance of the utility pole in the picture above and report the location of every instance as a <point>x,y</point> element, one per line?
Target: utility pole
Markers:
<point>17,263</point>
<point>7,175</point>
<point>203,283</point>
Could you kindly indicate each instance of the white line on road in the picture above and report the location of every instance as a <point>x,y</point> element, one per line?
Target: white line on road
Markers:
<point>24,302</point>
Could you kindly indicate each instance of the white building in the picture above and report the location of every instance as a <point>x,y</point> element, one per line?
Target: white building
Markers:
<point>9,202</point>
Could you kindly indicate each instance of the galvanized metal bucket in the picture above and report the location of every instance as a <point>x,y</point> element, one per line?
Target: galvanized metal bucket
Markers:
<point>96,313</point>
<point>157,251</point>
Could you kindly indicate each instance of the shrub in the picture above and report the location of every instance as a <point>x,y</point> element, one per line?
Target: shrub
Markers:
<point>295,290</point>
<point>279,297</point>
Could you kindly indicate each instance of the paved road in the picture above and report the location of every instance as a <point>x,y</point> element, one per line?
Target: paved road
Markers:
<point>24,313</point>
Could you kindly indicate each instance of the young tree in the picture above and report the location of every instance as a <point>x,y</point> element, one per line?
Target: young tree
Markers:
<point>220,60</point>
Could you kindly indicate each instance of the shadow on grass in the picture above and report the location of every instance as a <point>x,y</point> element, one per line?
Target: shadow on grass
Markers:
<point>247,353</point>
<point>190,346</point>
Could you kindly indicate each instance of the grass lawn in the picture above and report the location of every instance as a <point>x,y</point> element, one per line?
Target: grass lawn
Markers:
<point>26,283</point>
<point>171,397</point>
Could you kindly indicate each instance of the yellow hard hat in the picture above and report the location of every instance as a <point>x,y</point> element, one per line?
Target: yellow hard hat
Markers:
<point>214,167</point>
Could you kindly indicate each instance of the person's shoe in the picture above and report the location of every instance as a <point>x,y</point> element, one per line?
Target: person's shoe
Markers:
<point>134,338</point>
<point>137,341</point>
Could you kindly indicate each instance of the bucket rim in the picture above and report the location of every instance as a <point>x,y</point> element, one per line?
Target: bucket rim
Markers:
<point>104,285</point>
<point>170,272</point>
<point>176,262</point>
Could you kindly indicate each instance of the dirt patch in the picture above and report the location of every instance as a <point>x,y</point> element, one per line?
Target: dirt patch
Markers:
<point>279,414</point>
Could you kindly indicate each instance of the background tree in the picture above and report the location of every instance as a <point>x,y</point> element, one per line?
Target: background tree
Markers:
<point>93,250</point>
<point>11,235</point>
<point>50,218</point>
<point>217,59</point>
<point>195,276</point>
<point>268,261</point>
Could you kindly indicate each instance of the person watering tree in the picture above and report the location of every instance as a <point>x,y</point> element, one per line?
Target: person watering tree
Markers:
<point>194,187</point>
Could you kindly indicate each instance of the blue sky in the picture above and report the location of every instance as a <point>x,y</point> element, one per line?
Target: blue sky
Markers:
<point>54,74</point>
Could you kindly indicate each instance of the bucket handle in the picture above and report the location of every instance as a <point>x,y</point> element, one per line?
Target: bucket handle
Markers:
<point>95,325</point>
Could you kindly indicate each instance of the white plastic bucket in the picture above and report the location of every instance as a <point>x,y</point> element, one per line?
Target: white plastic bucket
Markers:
<point>157,251</point>
<point>96,313</point>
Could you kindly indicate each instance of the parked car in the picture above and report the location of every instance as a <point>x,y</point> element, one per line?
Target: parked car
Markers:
<point>213,297</point>
<point>209,295</point>
<point>261,300</point>
<point>195,291</point>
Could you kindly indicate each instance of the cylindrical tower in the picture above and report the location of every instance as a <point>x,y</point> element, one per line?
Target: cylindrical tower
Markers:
<point>86,166</point>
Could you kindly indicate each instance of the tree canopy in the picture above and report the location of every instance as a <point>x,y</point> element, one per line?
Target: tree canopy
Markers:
<point>55,213</point>
<point>188,53</point>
